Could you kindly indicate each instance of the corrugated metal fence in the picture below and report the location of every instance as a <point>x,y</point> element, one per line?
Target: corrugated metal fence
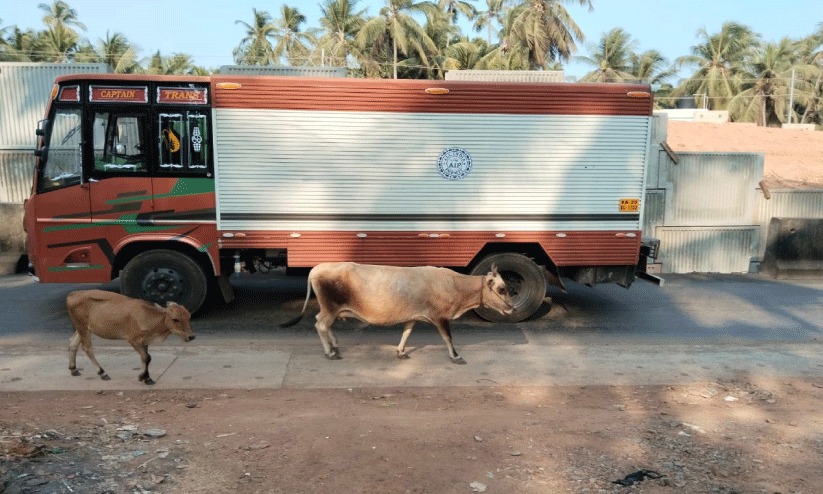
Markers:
<point>24,92</point>
<point>709,211</point>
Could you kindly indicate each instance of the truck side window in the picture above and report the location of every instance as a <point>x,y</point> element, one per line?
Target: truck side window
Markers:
<point>118,143</point>
<point>184,142</point>
<point>64,161</point>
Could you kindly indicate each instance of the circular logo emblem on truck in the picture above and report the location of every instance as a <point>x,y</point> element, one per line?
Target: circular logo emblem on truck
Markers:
<point>454,163</point>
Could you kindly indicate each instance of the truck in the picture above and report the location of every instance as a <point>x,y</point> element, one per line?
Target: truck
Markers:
<point>173,183</point>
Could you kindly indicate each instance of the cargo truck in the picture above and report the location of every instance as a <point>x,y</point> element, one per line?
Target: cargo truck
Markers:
<point>172,183</point>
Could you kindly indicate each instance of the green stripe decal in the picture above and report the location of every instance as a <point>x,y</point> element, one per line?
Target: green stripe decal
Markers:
<point>182,187</point>
<point>128,222</point>
<point>75,268</point>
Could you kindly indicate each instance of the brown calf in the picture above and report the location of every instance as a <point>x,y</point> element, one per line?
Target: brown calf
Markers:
<point>387,295</point>
<point>117,317</point>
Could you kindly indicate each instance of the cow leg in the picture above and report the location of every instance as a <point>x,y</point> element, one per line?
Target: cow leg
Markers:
<point>401,348</point>
<point>143,350</point>
<point>323,327</point>
<point>84,340</point>
<point>443,327</point>
<point>74,344</point>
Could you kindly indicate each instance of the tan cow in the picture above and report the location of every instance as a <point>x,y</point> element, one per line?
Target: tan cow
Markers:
<point>118,317</point>
<point>387,295</point>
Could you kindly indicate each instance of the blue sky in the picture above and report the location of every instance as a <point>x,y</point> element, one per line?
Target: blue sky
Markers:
<point>207,29</point>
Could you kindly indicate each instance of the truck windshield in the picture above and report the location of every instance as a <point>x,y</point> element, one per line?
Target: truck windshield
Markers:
<point>64,160</point>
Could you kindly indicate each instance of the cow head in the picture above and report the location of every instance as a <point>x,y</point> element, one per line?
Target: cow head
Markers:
<point>495,293</point>
<point>178,321</point>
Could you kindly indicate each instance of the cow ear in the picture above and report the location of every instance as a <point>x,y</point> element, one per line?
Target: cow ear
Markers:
<point>169,303</point>
<point>490,283</point>
<point>158,305</point>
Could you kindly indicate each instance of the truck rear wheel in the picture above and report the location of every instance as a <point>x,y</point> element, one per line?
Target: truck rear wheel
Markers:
<point>525,281</point>
<point>165,275</point>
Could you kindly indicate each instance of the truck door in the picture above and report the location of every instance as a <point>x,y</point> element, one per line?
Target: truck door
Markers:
<point>120,185</point>
<point>60,204</point>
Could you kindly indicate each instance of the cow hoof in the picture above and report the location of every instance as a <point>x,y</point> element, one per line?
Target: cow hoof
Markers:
<point>458,360</point>
<point>334,356</point>
<point>105,377</point>
<point>149,381</point>
<point>75,372</point>
<point>402,356</point>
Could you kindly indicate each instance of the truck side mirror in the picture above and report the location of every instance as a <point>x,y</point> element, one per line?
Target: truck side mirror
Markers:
<point>41,127</point>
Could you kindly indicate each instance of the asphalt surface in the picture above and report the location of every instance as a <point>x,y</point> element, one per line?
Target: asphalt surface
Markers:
<point>693,328</point>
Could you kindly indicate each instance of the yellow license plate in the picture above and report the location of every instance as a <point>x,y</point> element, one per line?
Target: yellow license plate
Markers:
<point>629,205</point>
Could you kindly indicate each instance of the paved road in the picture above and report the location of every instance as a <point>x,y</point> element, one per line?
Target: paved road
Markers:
<point>695,327</point>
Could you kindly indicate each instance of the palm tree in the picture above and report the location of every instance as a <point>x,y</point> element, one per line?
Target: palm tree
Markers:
<point>56,44</point>
<point>454,8</point>
<point>546,30</point>
<point>177,64</point>
<point>440,29</point>
<point>651,67</point>
<point>489,17</point>
<point>256,48</point>
<point>811,52</point>
<point>290,41</point>
<point>396,30</point>
<point>4,45</point>
<point>467,54</point>
<point>118,53</point>
<point>60,14</point>
<point>21,46</point>
<point>341,20</point>
<point>459,56</point>
<point>720,61</point>
<point>611,57</point>
<point>443,34</point>
<point>509,53</point>
<point>115,51</point>
<point>59,40</point>
<point>765,96</point>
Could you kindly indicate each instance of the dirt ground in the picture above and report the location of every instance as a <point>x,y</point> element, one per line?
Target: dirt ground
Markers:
<point>792,158</point>
<point>726,437</point>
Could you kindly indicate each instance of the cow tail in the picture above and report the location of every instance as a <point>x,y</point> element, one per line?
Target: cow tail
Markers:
<point>297,319</point>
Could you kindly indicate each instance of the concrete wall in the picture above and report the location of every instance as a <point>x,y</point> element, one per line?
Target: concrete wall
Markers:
<point>794,248</point>
<point>12,237</point>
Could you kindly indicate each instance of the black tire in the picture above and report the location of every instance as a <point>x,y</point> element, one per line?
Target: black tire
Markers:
<point>165,275</point>
<point>525,281</point>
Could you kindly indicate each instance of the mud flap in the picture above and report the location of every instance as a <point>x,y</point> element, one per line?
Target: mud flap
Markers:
<point>225,288</point>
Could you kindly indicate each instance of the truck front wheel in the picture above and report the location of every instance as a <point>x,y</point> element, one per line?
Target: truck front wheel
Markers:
<point>525,281</point>
<point>165,275</point>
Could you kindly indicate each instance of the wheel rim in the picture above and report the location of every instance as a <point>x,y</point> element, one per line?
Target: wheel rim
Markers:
<point>162,285</point>
<point>515,283</point>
